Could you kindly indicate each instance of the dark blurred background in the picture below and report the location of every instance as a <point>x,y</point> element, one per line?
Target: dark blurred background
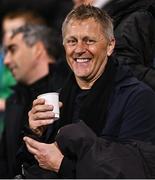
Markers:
<point>53,10</point>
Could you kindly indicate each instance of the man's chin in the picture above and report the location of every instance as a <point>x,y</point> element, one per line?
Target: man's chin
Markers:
<point>81,76</point>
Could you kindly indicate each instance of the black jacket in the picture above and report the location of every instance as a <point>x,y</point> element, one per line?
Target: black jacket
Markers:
<point>101,158</point>
<point>134,27</point>
<point>128,114</point>
<point>16,117</point>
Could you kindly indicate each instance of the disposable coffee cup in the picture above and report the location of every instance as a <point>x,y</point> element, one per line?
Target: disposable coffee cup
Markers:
<point>52,98</point>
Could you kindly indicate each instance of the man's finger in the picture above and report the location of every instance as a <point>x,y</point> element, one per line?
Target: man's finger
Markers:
<point>38,101</point>
<point>31,142</point>
<point>60,104</point>
<point>31,150</point>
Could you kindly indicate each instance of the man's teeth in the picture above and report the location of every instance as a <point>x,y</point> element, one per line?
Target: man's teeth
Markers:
<point>82,60</point>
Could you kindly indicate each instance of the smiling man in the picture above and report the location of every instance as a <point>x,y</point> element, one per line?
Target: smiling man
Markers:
<point>101,101</point>
<point>87,51</point>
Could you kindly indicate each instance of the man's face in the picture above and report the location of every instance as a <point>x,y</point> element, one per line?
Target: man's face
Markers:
<point>20,59</point>
<point>87,49</point>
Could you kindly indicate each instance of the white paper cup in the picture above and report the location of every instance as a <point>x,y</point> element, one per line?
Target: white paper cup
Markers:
<point>52,98</point>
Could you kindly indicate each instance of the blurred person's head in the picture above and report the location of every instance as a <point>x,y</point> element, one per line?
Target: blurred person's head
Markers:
<point>29,51</point>
<point>15,19</point>
<point>88,39</point>
<point>80,2</point>
<point>96,3</point>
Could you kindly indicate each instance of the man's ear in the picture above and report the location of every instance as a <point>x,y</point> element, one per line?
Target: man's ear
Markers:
<point>111,46</point>
<point>38,49</point>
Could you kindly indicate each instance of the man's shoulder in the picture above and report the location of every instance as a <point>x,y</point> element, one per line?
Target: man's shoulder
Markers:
<point>126,81</point>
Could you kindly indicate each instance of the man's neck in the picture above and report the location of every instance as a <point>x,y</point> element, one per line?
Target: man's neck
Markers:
<point>84,85</point>
<point>38,73</point>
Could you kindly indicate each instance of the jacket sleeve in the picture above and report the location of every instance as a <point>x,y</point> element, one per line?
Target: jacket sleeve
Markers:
<point>67,168</point>
<point>73,139</point>
<point>135,46</point>
<point>97,157</point>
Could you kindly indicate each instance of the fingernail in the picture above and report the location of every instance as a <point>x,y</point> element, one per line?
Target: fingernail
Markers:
<point>51,121</point>
<point>24,138</point>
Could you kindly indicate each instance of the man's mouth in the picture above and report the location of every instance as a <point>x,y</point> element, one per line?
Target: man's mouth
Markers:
<point>13,69</point>
<point>82,60</point>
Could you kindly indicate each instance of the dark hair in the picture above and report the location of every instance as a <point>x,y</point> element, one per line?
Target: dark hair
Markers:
<point>34,33</point>
<point>87,11</point>
<point>29,16</point>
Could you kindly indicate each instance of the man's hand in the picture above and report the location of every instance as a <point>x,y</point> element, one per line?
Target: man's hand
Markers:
<point>48,155</point>
<point>40,115</point>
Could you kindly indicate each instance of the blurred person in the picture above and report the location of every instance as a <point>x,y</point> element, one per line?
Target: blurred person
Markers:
<point>52,10</point>
<point>79,2</point>
<point>104,111</point>
<point>96,3</point>
<point>30,54</point>
<point>10,21</point>
<point>135,42</point>
<point>14,19</point>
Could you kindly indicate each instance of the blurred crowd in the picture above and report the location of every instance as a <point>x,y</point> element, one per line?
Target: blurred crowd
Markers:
<point>41,52</point>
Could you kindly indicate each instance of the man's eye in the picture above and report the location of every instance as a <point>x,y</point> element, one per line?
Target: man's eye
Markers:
<point>71,42</point>
<point>90,41</point>
<point>13,50</point>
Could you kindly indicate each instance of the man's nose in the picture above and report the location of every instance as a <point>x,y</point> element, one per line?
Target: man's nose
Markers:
<point>80,47</point>
<point>7,59</point>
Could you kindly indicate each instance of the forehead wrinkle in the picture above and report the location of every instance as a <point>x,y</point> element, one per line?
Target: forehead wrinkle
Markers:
<point>89,25</point>
<point>81,22</point>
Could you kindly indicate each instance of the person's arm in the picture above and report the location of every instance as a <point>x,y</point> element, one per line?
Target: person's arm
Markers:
<point>73,140</point>
<point>67,168</point>
<point>134,45</point>
<point>98,157</point>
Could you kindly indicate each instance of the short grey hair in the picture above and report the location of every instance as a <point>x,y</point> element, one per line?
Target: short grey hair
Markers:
<point>33,33</point>
<point>83,12</point>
